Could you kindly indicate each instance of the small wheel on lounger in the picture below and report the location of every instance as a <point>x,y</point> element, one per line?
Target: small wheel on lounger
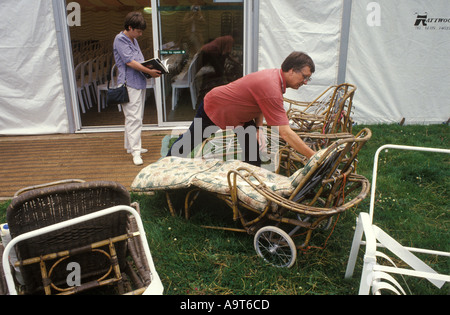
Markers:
<point>275,246</point>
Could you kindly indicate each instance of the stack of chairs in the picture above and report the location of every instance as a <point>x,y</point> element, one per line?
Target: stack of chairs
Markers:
<point>318,123</point>
<point>92,65</point>
<point>326,118</point>
<point>93,62</point>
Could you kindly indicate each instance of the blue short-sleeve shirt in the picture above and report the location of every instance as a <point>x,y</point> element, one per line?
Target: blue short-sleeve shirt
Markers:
<point>126,51</point>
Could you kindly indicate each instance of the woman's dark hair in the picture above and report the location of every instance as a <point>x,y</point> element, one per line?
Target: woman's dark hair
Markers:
<point>297,61</point>
<point>135,20</point>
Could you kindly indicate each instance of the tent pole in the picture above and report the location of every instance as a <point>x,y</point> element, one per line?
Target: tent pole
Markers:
<point>345,35</point>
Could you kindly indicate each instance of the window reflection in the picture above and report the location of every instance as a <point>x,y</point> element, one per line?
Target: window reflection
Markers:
<point>202,42</point>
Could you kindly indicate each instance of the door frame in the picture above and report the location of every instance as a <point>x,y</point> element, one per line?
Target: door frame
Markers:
<point>251,27</point>
<point>251,43</point>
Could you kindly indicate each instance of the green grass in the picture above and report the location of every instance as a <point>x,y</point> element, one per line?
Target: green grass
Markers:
<point>412,205</point>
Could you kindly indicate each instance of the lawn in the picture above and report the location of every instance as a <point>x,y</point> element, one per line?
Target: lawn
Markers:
<point>412,205</point>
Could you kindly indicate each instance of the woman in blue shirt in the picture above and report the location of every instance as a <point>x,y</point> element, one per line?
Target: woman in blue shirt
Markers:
<point>128,57</point>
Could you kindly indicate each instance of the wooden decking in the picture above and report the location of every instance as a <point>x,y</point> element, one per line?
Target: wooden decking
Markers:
<point>32,160</point>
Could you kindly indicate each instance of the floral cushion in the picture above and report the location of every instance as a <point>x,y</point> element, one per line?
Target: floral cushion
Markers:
<point>216,180</point>
<point>211,175</point>
<point>170,173</point>
<point>297,177</point>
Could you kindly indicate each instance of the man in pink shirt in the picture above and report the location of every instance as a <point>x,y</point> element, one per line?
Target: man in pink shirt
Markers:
<point>245,103</point>
<point>217,52</point>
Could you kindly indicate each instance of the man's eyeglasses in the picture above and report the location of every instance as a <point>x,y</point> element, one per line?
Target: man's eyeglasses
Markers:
<point>306,78</point>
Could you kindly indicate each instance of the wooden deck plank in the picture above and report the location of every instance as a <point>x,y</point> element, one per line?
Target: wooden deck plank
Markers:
<point>32,160</point>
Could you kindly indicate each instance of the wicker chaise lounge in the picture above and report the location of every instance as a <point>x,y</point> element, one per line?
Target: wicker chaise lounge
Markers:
<point>264,202</point>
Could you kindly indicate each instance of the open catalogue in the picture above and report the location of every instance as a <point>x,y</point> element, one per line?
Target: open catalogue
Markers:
<point>156,63</point>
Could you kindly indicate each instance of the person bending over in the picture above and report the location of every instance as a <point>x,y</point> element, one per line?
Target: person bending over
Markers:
<point>242,105</point>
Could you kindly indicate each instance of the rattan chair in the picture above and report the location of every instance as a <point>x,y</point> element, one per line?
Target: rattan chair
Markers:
<point>266,203</point>
<point>87,226</point>
<point>276,155</point>
<point>330,113</point>
<point>317,123</point>
<point>319,106</point>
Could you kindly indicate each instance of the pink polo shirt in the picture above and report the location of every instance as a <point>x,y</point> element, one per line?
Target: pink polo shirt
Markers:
<point>220,46</point>
<point>243,100</point>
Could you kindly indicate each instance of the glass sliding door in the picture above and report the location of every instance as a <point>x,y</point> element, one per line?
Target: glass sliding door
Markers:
<point>202,43</point>
<point>92,51</point>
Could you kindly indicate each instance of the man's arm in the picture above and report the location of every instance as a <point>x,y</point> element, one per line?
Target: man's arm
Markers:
<point>259,134</point>
<point>259,121</point>
<point>295,141</point>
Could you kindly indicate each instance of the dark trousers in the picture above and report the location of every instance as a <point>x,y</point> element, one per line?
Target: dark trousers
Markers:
<point>217,61</point>
<point>196,134</point>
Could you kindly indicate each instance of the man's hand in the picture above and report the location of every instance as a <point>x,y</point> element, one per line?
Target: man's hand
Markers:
<point>295,141</point>
<point>261,139</point>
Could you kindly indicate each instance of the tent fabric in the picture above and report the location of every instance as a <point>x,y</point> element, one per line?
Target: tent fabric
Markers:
<point>401,69</point>
<point>32,98</point>
<point>292,25</point>
<point>399,65</point>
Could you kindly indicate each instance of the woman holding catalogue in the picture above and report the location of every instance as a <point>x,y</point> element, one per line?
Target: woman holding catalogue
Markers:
<point>128,57</point>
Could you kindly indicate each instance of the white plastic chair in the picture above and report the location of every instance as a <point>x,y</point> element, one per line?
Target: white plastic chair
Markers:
<point>101,97</point>
<point>184,81</point>
<point>87,80</point>
<point>98,71</point>
<point>374,275</point>
<point>79,75</point>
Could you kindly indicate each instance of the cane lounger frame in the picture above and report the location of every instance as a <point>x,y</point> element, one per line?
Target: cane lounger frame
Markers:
<point>329,188</point>
<point>327,172</point>
<point>330,113</point>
